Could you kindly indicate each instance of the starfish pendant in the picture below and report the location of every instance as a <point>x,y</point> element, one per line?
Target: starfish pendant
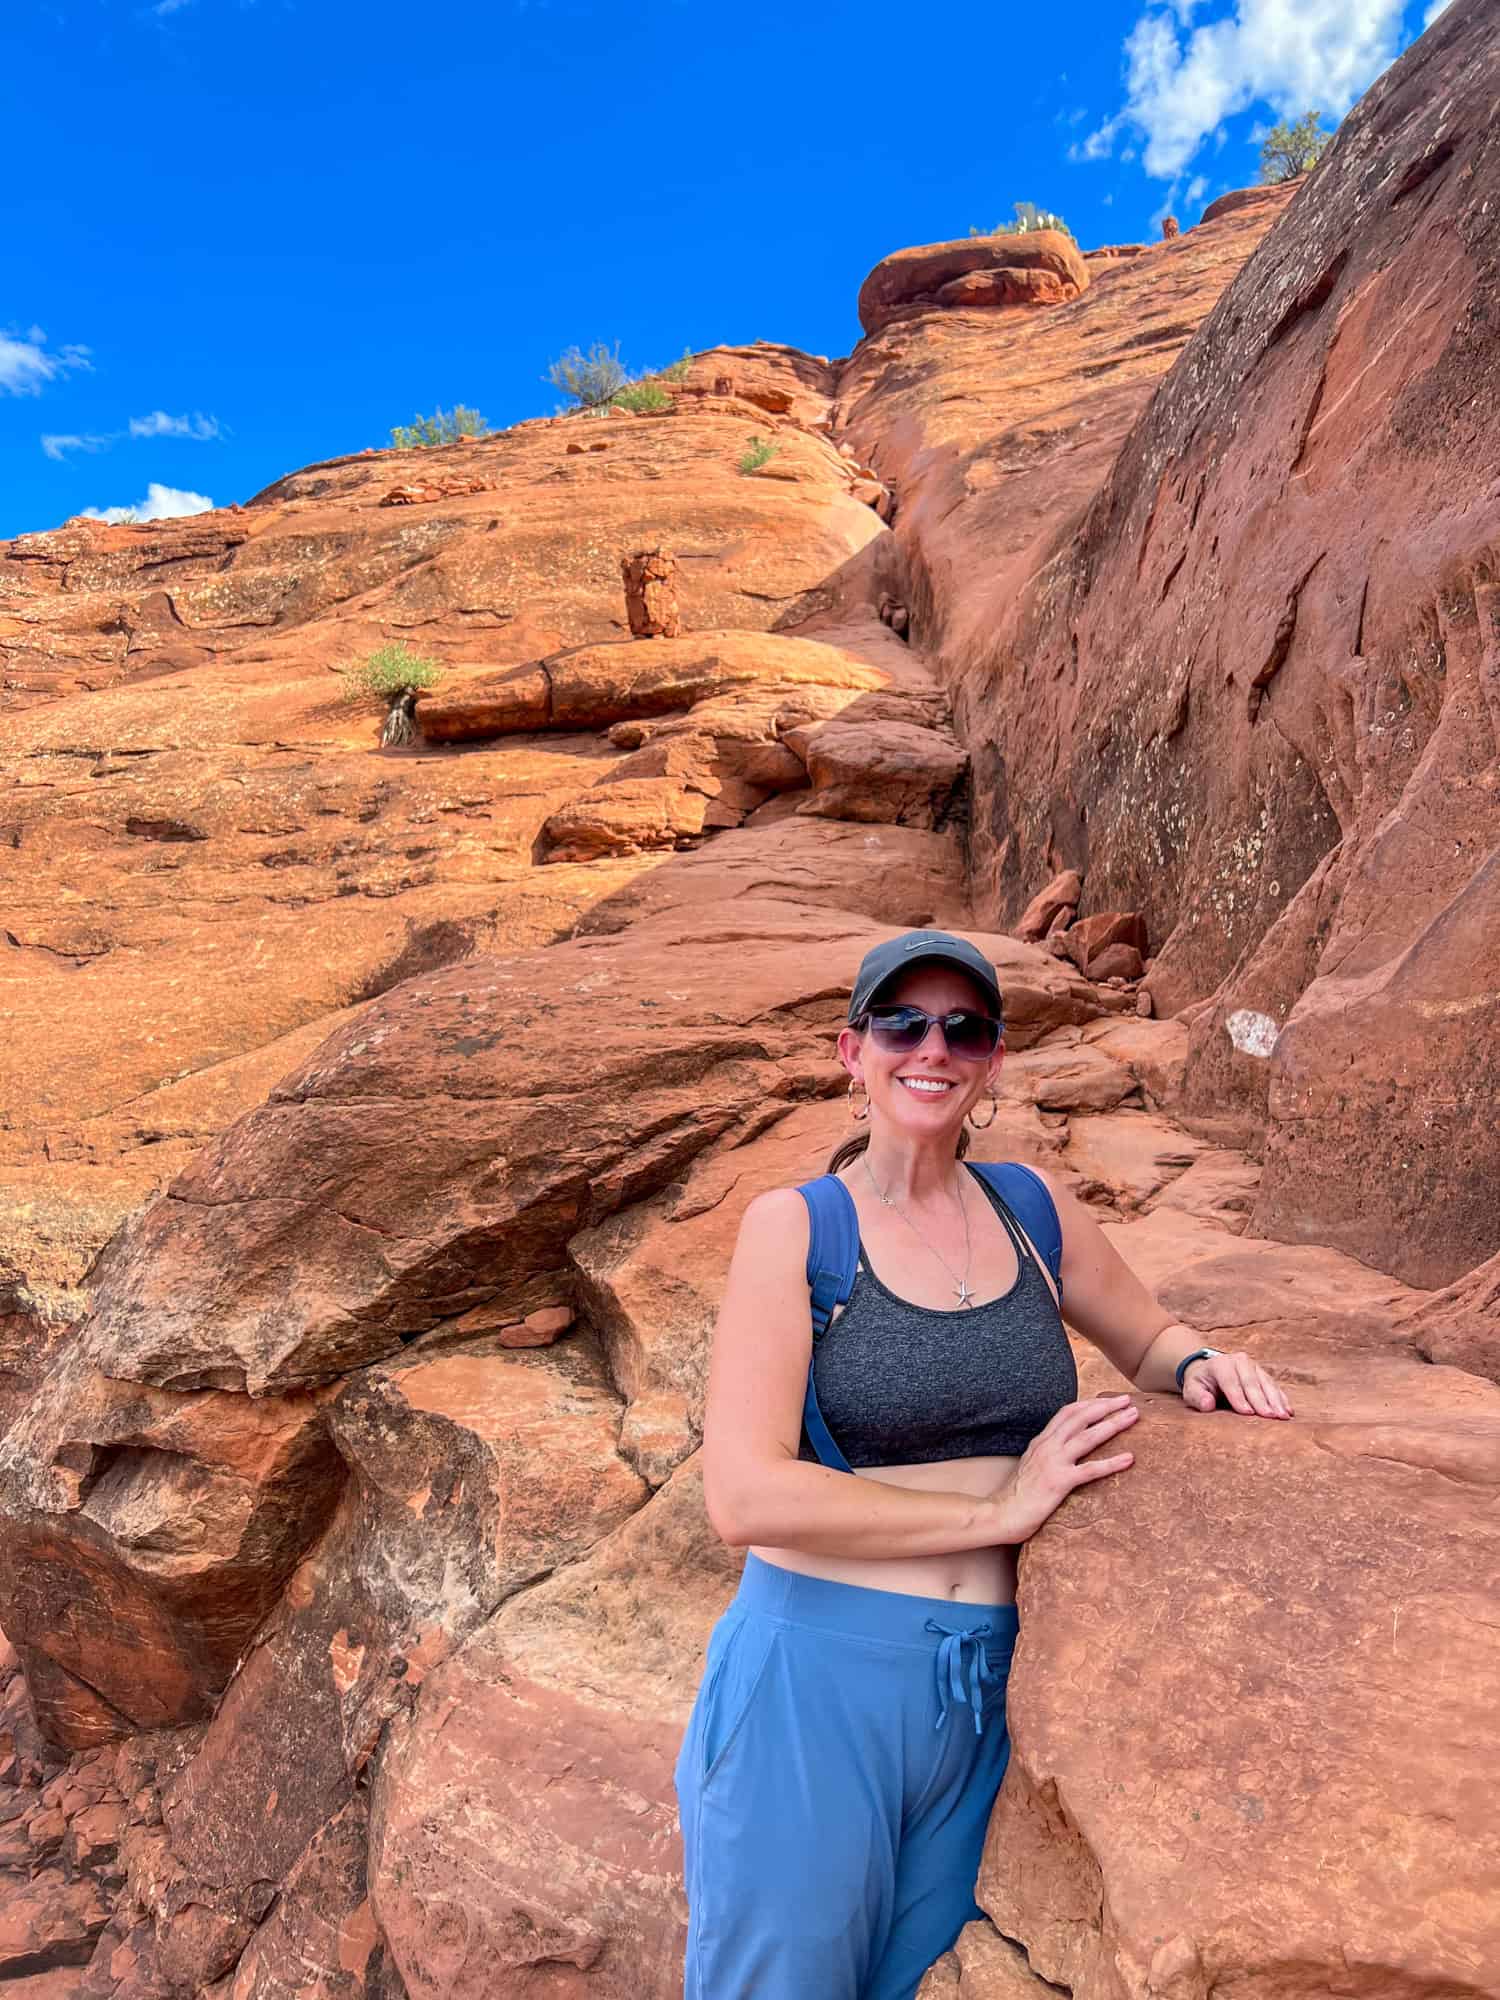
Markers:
<point>964,1294</point>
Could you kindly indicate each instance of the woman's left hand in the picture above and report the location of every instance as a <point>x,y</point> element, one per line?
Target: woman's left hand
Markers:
<point>1246,1386</point>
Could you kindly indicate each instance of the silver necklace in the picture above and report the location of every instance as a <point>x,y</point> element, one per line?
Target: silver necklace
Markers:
<point>960,1284</point>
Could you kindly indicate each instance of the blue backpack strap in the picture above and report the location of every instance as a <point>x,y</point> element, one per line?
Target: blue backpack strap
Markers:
<point>832,1261</point>
<point>1029,1200</point>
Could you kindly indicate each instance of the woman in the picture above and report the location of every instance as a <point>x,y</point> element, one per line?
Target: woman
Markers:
<point>849,1736</point>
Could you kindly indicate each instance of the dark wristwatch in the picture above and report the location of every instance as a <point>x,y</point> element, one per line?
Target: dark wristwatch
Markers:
<point>1198,1354</point>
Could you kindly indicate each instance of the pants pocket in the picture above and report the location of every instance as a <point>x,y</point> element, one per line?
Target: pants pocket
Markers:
<point>729,1690</point>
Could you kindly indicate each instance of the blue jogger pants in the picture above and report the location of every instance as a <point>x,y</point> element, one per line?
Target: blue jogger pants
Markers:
<point>835,1785</point>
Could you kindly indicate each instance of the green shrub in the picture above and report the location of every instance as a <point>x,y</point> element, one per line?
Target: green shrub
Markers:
<point>590,381</point>
<point>760,453</point>
<point>442,427</point>
<point>390,671</point>
<point>639,396</point>
<point>598,380</point>
<point>1028,216</point>
<point>1290,150</point>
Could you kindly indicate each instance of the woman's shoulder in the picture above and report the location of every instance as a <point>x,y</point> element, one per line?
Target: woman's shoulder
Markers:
<point>774,1237</point>
<point>775,1214</point>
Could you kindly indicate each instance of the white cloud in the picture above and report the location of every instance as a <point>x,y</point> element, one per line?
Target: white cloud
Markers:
<point>1098,144</point>
<point>59,445</point>
<point>159,424</point>
<point>27,364</point>
<point>1437,7</point>
<point>1295,55</point>
<point>162,503</point>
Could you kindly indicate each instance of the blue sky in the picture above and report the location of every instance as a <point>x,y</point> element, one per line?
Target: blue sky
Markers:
<point>248,234</point>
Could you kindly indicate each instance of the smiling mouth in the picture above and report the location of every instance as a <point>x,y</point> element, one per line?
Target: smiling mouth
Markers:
<point>926,1086</point>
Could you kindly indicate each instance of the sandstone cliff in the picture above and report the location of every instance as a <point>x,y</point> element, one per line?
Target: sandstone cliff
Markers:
<point>377,1122</point>
<point>1259,635</point>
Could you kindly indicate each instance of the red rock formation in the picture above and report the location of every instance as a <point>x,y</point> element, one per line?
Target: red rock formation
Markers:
<point>650,578</point>
<point>176,743</point>
<point>1042,267</point>
<point>1261,649</point>
<point>354,1539</point>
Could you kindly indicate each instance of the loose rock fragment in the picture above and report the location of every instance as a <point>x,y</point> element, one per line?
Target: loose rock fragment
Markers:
<point>651,593</point>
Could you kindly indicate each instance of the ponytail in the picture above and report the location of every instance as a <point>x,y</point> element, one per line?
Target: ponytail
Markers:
<point>851,1148</point>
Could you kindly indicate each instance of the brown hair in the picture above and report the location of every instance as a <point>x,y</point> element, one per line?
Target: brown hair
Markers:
<point>851,1148</point>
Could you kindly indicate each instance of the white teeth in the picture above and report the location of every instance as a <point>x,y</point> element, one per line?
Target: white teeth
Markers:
<point>928,1087</point>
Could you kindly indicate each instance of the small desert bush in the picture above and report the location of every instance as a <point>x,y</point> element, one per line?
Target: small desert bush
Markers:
<point>1027,216</point>
<point>597,380</point>
<point>442,427</point>
<point>589,380</point>
<point>759,453</point>
<point>641,396</point>
<point>390,671</point>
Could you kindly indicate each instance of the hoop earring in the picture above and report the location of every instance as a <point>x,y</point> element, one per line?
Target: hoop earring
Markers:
<point>994,1109</point>
<point>854,1111</point>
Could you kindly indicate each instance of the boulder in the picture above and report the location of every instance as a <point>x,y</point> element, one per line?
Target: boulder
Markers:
<point>893,772</point>
<point>474,1471</point>
<point>1059,898</point>
<point>1037,267</point>
<point>524,1825</point>
<point>1116,961</point>
<point>650,578</point>
<point>1087,939</point>
<point>177,1519</point>
<point>765,376</point>
<point>625,816</point>
<point>1119,1853</point>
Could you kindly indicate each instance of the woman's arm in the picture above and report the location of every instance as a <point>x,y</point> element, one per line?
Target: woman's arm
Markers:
<point>756,1488</point>
<point>1108,1304</point>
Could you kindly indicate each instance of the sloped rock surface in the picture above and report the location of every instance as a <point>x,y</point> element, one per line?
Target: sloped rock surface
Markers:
<point>208,852</point>
<point>466,1112</point>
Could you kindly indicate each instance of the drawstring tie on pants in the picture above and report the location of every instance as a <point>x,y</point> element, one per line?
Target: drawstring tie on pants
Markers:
<point>950,1662</point>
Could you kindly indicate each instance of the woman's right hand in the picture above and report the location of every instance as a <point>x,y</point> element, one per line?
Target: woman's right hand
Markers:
<point>1049,1468</point>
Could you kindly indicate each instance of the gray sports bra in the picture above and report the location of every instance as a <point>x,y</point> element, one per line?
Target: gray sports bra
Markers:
<point>904,1384</point>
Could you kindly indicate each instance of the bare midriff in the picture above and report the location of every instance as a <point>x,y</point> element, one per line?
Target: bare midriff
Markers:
<point>967,1576</point>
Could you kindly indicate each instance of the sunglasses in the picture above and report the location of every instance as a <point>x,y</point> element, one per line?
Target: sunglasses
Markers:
<point>974,1037</point>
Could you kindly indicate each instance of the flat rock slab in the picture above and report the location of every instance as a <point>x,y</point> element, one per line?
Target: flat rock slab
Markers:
<point>1333,1695</point>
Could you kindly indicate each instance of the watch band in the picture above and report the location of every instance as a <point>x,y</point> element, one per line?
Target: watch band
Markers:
<point>1198,1354</point>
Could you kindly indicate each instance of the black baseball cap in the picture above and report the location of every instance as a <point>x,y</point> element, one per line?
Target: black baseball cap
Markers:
<point>922,948</point>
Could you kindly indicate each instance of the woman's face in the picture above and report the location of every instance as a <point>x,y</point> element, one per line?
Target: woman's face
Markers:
<point>904,1089</point>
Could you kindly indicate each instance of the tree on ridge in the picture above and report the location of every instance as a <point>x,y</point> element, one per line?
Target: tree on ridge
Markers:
<point>1293,149</point>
